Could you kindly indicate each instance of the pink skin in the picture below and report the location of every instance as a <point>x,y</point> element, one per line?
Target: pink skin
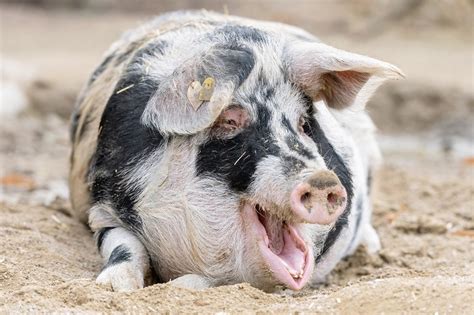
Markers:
<point>295,259</point>
<point>286,254</point>
<point>232,119</point>
<point>323,206</point>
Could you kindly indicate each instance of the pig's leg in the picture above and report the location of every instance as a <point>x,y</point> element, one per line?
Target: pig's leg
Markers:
<point>126,260</point>
<point>370,239</point>
<point>192,281</point>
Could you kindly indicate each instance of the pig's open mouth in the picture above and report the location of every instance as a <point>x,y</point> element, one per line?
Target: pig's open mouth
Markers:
<point>284,251</point>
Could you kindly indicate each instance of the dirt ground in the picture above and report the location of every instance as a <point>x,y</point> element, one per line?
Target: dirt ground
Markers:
<point>423,204</point>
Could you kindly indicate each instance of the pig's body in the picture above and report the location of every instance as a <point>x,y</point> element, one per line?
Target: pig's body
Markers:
<point>216,189</point>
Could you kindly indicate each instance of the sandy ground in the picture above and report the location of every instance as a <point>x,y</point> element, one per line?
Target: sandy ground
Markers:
<point>424,203</point>
<point>423,212</point>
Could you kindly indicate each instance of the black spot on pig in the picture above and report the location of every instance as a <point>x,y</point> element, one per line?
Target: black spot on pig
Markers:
<point>152,48</point>
<point>123,142</point>
<point>369,181</point>
<point>286,123</point>
<point>74,123</point>
<point>235,160</point>
<point>292,165</point>
<point>131,48</point>
<point>119,255</point>
<point>86,126</point>
<point>335,163</point>
<point>228,63</point>
<point>81,130</point>
<point>293,142</point>
<point>156,48</point>
<point>261,97</point>
<point>101,234</point>
<point>100,69</point>
<point>264,88</point>
<point>239,33</point>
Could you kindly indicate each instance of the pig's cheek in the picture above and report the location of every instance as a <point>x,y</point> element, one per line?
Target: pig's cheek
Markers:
<point>258,266</point>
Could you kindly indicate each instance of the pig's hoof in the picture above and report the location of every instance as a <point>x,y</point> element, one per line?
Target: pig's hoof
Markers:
<point>371,239</point>
<point>122,277</point>
<point>191,281</point>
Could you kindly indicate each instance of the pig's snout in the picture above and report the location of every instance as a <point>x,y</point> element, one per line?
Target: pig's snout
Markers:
<point>320,199</point>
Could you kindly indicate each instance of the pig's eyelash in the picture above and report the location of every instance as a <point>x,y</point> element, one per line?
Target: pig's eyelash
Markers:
<point>232,123</point>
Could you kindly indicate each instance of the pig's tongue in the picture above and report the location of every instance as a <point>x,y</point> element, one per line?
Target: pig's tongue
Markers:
<point>292,256</point>
<point>288,257</point>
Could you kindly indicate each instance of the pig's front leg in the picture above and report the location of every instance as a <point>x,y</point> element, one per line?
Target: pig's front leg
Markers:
<point>192,281</point>
<point>370,239</point>
<point>127,263</point>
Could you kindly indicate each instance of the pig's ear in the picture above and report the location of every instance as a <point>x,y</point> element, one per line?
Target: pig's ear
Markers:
<point>192,98</point>
<point>340,78</point>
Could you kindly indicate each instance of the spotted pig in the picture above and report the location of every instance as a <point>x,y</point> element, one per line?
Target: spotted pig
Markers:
<point>210,149</point>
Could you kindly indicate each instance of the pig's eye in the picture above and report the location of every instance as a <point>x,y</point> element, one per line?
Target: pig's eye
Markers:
<point>231,121</point>
<point>303,126</point>
<point>230,124</point>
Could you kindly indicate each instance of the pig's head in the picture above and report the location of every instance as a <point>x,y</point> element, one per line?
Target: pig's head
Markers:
<point>266,135</point>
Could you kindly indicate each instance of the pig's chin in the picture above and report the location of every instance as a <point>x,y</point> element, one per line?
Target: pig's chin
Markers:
<point>287,256</point>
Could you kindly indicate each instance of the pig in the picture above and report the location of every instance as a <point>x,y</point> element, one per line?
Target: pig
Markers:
<point>209,149</point>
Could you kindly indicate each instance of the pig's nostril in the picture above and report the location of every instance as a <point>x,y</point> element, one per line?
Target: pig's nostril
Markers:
<point>306,200</point>
<point>305,197</point>
<point>332,198</point>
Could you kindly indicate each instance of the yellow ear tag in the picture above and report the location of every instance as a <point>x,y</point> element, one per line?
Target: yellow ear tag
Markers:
<point>207,89</point>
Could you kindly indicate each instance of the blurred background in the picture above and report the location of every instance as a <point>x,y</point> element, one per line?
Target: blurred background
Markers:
<point>50,47</point>
<point>423,204</point>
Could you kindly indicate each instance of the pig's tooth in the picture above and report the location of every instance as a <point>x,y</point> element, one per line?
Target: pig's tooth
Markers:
<point>290,270</point>
<point>298,276</point>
